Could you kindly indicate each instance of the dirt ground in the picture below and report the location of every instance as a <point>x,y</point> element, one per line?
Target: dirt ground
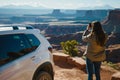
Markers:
<point>64,71</point>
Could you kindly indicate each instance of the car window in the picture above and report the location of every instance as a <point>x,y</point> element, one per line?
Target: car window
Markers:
<point>14,46</point>
<point>33,40</point>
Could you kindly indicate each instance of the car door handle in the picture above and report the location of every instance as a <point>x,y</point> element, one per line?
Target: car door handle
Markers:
<point>33,57</point>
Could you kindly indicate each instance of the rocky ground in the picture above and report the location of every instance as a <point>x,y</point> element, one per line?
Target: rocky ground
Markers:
<point>66,71</point>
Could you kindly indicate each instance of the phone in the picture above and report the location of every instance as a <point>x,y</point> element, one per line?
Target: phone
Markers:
<point>90,25</point>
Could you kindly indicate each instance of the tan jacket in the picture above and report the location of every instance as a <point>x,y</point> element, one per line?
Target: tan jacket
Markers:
<point>93,51</point>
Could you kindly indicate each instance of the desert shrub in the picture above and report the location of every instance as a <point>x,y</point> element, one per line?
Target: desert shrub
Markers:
<point>113,65</point>
<point>69,47</point>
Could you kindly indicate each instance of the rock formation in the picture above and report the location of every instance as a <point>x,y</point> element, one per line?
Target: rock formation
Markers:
<point>57,13</point>
<point>112,22</point>
<point>62,38</point>
<point>101,14</point>
<point>91,14</point>
<point>80,13</point>
<point>116,76</point>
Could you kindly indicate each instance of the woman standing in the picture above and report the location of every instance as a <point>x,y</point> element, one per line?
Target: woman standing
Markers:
<point>95,52</point>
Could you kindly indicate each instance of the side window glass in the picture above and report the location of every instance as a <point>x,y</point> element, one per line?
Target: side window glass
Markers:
<point>33,40</point>
<point>12,47</point>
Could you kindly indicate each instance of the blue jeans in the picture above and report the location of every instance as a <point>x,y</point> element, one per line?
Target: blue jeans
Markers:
<point>93,67</point>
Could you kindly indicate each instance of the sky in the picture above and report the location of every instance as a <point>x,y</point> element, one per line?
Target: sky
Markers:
<point>62,4</point>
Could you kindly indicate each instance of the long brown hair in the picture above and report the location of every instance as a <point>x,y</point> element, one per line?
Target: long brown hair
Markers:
<point>99,33</point>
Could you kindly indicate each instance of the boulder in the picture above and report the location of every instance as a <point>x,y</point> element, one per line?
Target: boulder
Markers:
<point>60,57</point>
<point>79,62</point>
<point>116,76</point>
<point>75,61</point>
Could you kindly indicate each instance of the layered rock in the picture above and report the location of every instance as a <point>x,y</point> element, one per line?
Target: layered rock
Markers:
<point>86,15</point>
<point>116,76</point>
<point>80,13</point>
<point>63,38</point>
<point>75,61</point>
<point>113,53</point>
<point>114,38</point>
<point>113,17</point>
<point>112,22</point>
<point>57,13</point>
<point>91,14</point>
<point>102,14</point>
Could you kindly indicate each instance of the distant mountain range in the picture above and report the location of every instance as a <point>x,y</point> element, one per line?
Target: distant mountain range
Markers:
<point>41,7</point>
<point>97,7</point>
<point>22,7</point>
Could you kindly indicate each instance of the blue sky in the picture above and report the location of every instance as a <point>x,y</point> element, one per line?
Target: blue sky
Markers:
<point>62,4</point>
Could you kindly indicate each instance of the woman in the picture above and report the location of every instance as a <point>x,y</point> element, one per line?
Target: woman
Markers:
<point>95,52</point>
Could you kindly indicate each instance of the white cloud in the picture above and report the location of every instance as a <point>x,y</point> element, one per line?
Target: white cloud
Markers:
<point>67,4</point>
<point>99,3</point>
<point>70,6</point>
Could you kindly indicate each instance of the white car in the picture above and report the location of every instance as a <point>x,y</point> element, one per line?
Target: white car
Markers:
<point>24,54</point>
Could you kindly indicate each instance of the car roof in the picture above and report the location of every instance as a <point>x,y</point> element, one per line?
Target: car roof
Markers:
<point>17,28</point>
<point>14,26</point>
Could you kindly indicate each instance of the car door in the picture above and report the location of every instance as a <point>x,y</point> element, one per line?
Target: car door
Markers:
<point>17,58</point>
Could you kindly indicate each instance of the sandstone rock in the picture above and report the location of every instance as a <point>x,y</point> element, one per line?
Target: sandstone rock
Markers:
<point>113,53</point>
<point>57,13</point>
<point>75,61</point>
<point>112,22</point>
<point>116,76</point>
<point>58,39</point>
<point>114,39</point>
<point>79,62</point>
<point>80,13</point>
<point>60,57</point>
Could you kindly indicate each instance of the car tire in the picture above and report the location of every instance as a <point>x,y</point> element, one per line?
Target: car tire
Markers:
<point>44,76</point>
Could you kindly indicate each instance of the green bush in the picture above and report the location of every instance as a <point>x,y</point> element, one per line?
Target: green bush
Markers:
<point>115,66</point>
<point>69,47</point>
